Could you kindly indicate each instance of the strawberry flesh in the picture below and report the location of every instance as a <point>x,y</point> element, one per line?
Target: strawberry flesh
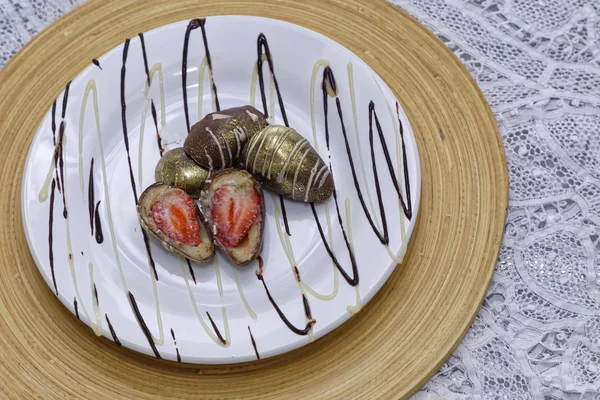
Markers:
<point>175,214</point>
<point>234,210</point>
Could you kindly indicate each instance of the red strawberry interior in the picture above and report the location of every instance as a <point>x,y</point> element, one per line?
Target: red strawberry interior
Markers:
<point>176,215</point>
<point>234,210</point>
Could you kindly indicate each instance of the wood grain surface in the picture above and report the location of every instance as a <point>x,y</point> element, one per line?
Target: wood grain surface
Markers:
<point>394,344</point>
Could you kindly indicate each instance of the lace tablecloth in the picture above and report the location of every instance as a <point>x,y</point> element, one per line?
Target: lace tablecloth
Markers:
<point>537,62</point>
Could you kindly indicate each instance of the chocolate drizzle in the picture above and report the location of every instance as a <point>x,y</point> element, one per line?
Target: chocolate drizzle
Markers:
<point>145,56</point>
<point>50,234</point>
<point>76,308</point>
<point>175,343</point>
<point>329,88</point>
<point>216,329</point>
<point>112,331</point>
<point>56,153</point>
<point>253,343</point>
<point>408,207</point>
<point>143,325</point>
<point>91,197</point>
<point>65,100</point>
<point>61,165</point>
<point>98,223</point>
<point>96,294</point>
<point>126,140</point>
<point>191,270</point>
<point>262,47</point>
<point>161,150</point>
<point>195,24</point>
<point>310,321</point>
<point>96,63</point>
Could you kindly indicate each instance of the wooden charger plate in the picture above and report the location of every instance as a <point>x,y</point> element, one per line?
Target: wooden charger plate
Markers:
<point>394,344</point>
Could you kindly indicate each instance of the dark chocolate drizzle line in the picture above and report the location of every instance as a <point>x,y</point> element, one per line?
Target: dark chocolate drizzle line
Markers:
<point>195,24</point>
<point>54,122</point>
<point>383,237</point>
<point>56,153</point>
<point>253,343</point>
<point>263,46</point>
<point>96,63</point>
<point>76,308</point>
<point>176,348</point>
<point>126,140</point>
<point>191,270</point>
<point>145,56</point>
<point>98,223</point>
<point>161,150</point>
<point>50,234</point>
<point>91,200</point>
<point>61,134</point>
<point>124,118</point>
<point>216,329</point>
<point>408,208</point>
<point>329,79</point>
<point>143,325</point>
<point>61,164</point>
<point>96,294</point>
<point>65,100</point>
<point>112,331</point>
<point>310,321</point>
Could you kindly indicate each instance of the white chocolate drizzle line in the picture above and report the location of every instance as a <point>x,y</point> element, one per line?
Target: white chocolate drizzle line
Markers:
<point>86,94</point>
<point>249,309</point>
<point>97,327</point>
<point>253,82</point>
<point>163,131</point>
<point>92,88</point>
<point>218,275</point>
<point>210,334</point>
<point>289,252</point>
<point>203,66</point>
<point>68,238</point>
<point>397,257</point>
<point>43,193</point>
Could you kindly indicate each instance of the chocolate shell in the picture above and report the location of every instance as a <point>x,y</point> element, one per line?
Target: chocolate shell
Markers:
<point>177,169</point>
<point>286,163</point>
<point>202,252</point>
<point>250,246</point>
<point>217,140</point>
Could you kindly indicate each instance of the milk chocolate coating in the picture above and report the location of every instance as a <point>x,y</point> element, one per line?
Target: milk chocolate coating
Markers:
<point>217,140</point>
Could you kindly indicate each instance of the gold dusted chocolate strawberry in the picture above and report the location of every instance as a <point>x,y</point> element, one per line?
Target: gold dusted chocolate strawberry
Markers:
<point>171,216</point>
<point>235,208</point>
<point>217,140</point>
<point>286,163</point>
<point>177,169</point>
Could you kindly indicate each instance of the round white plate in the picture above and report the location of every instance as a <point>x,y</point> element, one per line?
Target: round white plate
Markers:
<point>113,280</point>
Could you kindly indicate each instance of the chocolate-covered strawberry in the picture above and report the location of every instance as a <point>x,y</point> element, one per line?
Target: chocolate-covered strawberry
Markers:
<point>234,206</point>
<point>171,216</point>
<point>286,163</point>
<point>217,140</point>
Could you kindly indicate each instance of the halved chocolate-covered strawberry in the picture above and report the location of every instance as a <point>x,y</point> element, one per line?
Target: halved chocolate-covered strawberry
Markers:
<point>234,206</point>
<point>171,216</point>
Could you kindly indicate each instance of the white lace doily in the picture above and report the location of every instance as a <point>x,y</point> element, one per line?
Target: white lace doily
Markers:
<point>537,62</point>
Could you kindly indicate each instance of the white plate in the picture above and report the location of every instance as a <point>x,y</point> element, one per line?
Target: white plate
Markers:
<point>175,306</point>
